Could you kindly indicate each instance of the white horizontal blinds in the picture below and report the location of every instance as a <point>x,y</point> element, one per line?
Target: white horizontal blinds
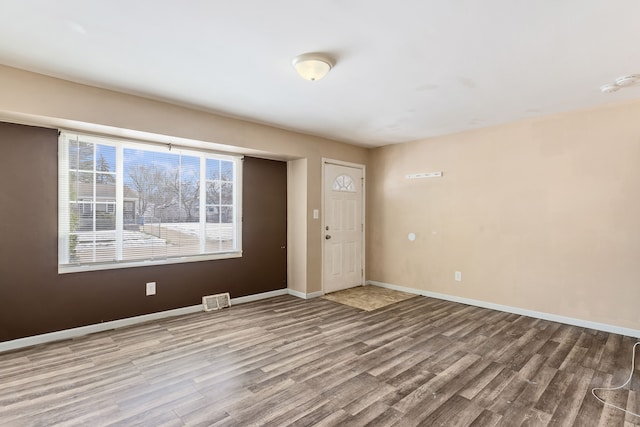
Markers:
<point>126,202</point>
<point>221,216</point>
<point>89,202</point>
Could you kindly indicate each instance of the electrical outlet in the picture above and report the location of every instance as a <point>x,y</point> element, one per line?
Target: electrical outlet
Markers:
<point>458,276</point>
<point>151,288</point>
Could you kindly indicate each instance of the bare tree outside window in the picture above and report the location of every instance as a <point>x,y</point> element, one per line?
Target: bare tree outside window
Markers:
<point>146,180</point>
<point>186,192</point>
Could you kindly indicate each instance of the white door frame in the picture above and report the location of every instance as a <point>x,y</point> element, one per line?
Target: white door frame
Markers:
<point>362,167</point>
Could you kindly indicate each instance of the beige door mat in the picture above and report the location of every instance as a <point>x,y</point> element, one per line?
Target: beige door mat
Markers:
<point>368,297</point>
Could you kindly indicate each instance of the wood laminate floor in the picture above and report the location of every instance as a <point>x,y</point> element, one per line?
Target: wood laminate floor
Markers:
<point>287,361</point>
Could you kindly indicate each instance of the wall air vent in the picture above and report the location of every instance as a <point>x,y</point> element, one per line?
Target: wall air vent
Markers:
<point>216,302</point>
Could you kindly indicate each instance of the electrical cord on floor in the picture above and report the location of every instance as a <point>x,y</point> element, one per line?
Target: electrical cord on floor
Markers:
<point>633,367</point>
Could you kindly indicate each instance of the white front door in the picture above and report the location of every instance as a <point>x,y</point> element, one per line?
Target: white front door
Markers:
<point>343,227</point>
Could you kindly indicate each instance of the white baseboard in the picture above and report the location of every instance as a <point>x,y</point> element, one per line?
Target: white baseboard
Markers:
<point>305,296</point>
<point>315,294</point>
<point>106,326</point>
<point>258,297</point>
<point>516,310</point>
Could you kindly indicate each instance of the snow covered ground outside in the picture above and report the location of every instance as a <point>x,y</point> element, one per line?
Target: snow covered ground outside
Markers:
<point>153,235</point>
<point>214,231</point>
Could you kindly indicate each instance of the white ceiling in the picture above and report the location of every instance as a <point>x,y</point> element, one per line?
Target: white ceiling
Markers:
<point>405,70</point>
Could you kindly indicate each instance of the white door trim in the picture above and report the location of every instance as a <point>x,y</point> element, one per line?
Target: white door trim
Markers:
<point>362,167</point>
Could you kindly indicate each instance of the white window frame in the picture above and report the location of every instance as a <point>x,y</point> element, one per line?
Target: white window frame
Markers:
<point>63,205</point>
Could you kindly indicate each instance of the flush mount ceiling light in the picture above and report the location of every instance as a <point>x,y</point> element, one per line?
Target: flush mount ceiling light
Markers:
<point>312,66</point>
<point>609,88</point>
<point>621,82</point>
<point>630,80</point>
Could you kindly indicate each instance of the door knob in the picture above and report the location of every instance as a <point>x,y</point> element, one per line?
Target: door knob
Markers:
<point>327,237</point>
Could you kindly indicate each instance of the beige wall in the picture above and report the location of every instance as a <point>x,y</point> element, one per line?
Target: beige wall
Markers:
<point>542,215</point>
<point>297,224</point>
<point>36,99</point>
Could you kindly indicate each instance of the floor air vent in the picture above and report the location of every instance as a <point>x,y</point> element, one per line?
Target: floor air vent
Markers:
<point>216,302</point>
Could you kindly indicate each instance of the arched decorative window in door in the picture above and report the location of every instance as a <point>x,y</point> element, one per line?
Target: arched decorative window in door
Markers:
<point>344,183</point>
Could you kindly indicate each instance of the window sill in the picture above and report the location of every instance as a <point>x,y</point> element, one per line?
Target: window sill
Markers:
<point>64,269</point>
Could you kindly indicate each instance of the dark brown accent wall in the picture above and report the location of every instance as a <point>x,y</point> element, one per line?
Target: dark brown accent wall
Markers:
<point>35,299</point>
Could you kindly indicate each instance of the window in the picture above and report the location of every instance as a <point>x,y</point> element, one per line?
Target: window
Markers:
<point>125,203</point>
<point>344,183</point>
